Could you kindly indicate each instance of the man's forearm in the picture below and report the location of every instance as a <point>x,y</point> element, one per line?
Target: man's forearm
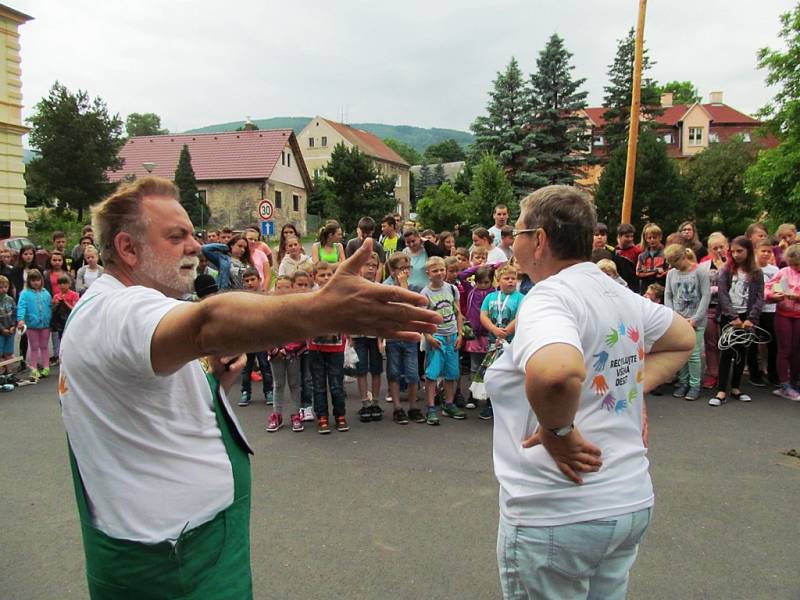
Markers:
<point>661,367</point>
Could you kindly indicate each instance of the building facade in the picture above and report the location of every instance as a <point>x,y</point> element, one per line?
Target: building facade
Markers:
<point>13,217</point>
<point>234,172</point>
<point>320,136</point>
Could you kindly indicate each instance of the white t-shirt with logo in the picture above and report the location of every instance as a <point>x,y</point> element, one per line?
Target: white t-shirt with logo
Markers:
<point>613,328</point>
<point>148,448</point>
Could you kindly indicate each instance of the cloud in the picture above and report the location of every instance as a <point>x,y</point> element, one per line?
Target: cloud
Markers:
<point>417,63</point>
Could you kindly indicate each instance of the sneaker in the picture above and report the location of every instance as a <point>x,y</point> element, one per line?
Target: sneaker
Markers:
<point>452,411</point>
<point>297,423</point>
<point>255,376</point>
<point>341,424</point>
<point>35,373</point>
<point>376,412</point>
<point>471,402</point>
<point>741,397</point>
<point>717,401</point>
<point>365,414</point>
<point>45,372</point>
<point>788,392</point>
<point>458,399</point>
<point>400,417</point>
<point>680,391</point>
<point>693,393</point>
<point>433,417</point>
<point>415,414</point>
<point>709,383</point>
<point>307,413</point>
<point>389,399</point>
<point>269,398</point>
<point>487,414</point>
<point>244,399</point>
<point>759,381</point>
<point>274,423</point>
<point>323,426</point>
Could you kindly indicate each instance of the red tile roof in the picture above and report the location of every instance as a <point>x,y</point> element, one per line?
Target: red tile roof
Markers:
<point>215,156</point>
<point>368,143</point>
<point>720,113</point>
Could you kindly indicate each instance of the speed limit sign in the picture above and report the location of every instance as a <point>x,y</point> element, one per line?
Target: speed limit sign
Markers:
<point>265,210</point>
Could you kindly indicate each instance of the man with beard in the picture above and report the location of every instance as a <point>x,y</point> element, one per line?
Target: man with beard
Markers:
<point>160,465</point>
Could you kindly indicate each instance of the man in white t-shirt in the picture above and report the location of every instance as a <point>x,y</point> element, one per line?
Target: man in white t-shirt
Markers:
<point>160,465</point>
<point>570,434</point>
<point>500,220</point>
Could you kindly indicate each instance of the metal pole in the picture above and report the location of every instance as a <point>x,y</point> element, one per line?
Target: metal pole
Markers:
<point>633,131</point>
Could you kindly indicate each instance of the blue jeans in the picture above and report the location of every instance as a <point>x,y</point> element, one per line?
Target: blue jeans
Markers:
<point>327,370</point>
<point>401,361</point>
<point>263,367</point>
<point>586,561</point>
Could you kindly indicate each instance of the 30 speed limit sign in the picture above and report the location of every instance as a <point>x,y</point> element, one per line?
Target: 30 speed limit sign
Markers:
<point>265,210</point>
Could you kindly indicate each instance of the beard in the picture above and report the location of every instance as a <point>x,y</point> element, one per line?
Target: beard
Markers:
<point>169,276</point>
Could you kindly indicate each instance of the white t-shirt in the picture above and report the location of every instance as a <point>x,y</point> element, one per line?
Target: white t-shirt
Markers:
<point>148,448</point>
<point>612,328</point>
<point>496,255</point>
<point>495,231</point>
<point>769,272</point>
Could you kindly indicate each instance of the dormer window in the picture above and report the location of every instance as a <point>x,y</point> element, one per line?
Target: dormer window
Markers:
<point>695,136</point>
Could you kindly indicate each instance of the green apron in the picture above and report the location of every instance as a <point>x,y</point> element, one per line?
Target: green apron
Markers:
<point>209,562</point>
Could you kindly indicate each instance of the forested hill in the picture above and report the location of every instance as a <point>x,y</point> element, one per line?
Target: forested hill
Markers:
<point>418,138</point>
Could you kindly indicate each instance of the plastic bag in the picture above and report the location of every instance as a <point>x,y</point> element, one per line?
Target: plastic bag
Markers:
<point>350,355</point>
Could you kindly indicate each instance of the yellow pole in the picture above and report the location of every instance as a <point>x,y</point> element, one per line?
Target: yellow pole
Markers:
<point>633,132</point>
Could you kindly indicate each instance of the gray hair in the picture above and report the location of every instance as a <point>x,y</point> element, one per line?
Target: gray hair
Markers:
<point>567,216</point>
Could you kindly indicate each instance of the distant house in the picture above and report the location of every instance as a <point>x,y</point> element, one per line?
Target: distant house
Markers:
<point>686,129</point>
<point>13,217</point>
<point>321,135</point>
<point>234,172</point>
<point>451,169</point>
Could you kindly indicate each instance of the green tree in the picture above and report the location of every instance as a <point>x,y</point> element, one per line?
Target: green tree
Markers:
<point>683,92</point>
<point>406,152</point>
<point>196,208</point>
<point>359,190</point>
<point>446,151</point>
<point>659,192</point>
<point>438,175</point>
<point>144,124</point>
<point>775,177</point>
<point>557,137</point>
<point>715,179</point>
<point>78,142</point>
<point>248,125</point>
<point>424,181</point>
<point>321,201</point>
<point>617,99</point>
<point>503,130</point>
<point>490,187</point>
<point>463,180</point>
<point>442,208</point>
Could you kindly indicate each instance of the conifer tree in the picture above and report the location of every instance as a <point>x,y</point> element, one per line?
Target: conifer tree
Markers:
<point>424,181</point>
<point>187,185</point>
<point>557,141</point>
<point>617,99</point>
<point>438,174</point>
<point>502,131</point>
<point>489,187</point>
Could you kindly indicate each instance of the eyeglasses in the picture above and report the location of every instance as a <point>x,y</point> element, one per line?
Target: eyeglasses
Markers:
<point>516,232</point>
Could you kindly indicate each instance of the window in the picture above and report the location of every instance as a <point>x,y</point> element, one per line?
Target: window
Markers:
<point>399,181</point>
<point>295,203</point>
<point>278,199</point>
<point>695,136</point>
<point>201,195</point>
<point>713,137</point>
<point>323,141</point>
<point>746,136</point>
<point>311,142</point>
<point>667,138</point>
<point>598,141</point>
<point>288,160</point>
<point>283,158</point>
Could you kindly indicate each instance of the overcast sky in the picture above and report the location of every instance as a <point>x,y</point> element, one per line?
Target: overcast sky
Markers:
<point>427,63</point>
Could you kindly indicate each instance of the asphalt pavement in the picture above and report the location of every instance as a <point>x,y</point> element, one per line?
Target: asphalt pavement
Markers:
<point>388,511</point>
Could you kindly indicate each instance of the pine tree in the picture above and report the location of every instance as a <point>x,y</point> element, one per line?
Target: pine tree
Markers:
<point>617,99</point>
<point>424,181</point>
<point>557,139</point>
<point>197,209</point>
<point>503,130</point>
<point>659,192</point>
<point>438,175</point>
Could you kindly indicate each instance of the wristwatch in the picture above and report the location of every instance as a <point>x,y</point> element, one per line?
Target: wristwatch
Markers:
<point>561,432</point>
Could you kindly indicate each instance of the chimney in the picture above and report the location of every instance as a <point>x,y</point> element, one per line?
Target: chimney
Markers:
<point>716,97</point>
<point>666,99</point>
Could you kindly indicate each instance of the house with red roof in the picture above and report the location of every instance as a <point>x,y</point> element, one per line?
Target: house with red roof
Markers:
<point>320,136</point>
<point>686,129</point>
<point>234,172</point>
